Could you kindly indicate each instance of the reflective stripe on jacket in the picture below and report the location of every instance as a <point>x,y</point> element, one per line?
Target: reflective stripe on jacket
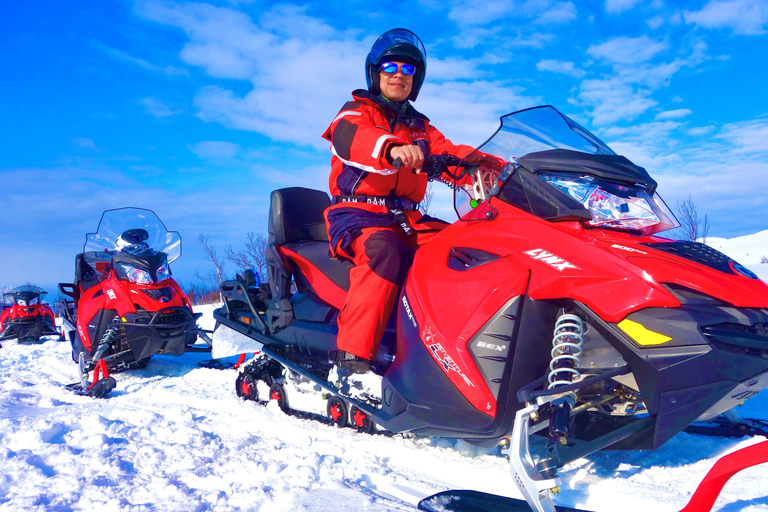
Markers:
<point>361,135</point>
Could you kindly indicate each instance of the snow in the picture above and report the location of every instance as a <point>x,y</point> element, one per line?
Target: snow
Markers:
<point>174,436</point>
<point>748,250</point>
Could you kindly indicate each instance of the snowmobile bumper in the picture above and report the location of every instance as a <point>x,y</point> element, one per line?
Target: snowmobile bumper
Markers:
<point>28,330</point>
<point>166,332</point>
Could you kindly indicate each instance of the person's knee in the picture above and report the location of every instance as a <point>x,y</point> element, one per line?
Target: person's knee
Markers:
<point>387,256</point>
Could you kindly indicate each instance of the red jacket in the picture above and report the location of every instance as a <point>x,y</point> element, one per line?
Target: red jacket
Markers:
<point>360,137</point>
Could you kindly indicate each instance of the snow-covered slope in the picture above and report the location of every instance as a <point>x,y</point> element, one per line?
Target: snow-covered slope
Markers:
<point>174,436</point>
<point>749,250</point>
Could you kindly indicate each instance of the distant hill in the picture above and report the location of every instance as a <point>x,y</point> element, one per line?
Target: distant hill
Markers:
<point>749,250</point>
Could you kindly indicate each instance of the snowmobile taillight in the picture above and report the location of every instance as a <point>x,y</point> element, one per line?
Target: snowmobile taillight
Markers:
<point>616,205</point>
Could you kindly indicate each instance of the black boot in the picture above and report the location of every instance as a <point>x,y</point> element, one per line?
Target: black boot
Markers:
<point>350,362</point>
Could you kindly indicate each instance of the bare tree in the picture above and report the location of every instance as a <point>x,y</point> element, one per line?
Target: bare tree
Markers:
<point>254,255</point>
<point>203,294</point>
<point>692,227</point>
<point>428,197</point>
<point>215,276</point>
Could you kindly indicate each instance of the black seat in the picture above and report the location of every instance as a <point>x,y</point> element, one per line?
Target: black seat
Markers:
<point>296,221</point>
<point>296,215</point>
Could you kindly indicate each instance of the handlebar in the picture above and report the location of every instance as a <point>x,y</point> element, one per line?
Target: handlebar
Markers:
<point>436,165</point>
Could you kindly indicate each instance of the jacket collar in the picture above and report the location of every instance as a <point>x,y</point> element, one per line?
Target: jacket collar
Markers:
<point>372,99</point>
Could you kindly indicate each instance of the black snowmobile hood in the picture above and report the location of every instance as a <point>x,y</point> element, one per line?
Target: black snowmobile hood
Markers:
<point>609,167</point>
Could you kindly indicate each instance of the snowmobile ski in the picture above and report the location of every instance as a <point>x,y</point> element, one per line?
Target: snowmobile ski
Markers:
<point>476,501</point>
<point>702,500</point>
<point>100,389</point>
<point>730,424</point>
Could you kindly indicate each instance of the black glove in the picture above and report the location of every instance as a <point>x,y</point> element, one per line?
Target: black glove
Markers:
<point>435,165</point>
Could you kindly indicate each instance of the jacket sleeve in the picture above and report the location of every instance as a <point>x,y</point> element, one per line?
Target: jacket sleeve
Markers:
<point>357,141</point>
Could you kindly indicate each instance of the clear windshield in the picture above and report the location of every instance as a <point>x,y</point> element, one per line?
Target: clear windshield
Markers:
<point>624,205</point>
<point>120,230</point>
<point>541,129</point>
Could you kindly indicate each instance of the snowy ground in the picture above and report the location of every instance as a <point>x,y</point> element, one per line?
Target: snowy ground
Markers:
<point>174,436</point>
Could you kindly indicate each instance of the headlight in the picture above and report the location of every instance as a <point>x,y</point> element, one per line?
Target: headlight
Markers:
<point>136,275</point>
<point>32,302</point>
<point>163,272</point>
<point>615,205</point>
<point>21,302</point>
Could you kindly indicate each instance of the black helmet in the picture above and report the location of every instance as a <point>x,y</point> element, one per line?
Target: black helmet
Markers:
<point>396,44</point>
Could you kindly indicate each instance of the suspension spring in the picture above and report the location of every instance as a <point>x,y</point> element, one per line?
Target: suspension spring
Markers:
<point>106,341</point>
<point>566,349</point>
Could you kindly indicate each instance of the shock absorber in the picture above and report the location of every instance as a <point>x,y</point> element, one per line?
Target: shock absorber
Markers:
<point>106,341</point>
<point>563,369</point>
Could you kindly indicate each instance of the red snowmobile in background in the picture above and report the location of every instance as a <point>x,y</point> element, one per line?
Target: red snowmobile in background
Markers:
<point>25,317</point>
<point>550,317</point>
<point>126,306</point>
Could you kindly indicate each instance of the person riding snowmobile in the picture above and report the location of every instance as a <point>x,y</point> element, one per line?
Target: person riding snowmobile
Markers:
<point>374,219</point>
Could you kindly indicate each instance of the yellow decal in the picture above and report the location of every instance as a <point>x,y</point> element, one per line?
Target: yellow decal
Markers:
<point>642,335</point>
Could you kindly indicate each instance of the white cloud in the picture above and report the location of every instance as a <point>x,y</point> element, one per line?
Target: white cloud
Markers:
<point>556,66</point>
<point>468,113</point>
<point>613,99</point>
<point>157,107</point>
<point>484,12</point>
<point>562,12</point>
<point>83,142</point>
<point>655,22</point>
<point>700,131</point>
<point>712,169</point>
<point>745,17</point>
<point>76,196</point>
<point>619,6</point>
<point>748,137</point>
<point>628,50</point>
<point>453,68</point>
<point>215,150</point>
<point>673,114</point>
<point>124,57</point>
<point>302,71</point>
<point>481,12</point>
<point>626,93</point>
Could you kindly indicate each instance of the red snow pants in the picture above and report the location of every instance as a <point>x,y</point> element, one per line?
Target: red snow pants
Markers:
<point>382,257</point>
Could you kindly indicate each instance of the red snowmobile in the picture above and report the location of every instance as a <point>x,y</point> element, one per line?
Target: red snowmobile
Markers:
<point>25,317</point>
<point>126,307</point>
<point>550,317</point>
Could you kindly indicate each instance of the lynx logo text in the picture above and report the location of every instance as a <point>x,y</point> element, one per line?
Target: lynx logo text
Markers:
<point>550,259</point>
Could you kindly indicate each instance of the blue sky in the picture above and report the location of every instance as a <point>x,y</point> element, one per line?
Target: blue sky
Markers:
<point>199,110</point>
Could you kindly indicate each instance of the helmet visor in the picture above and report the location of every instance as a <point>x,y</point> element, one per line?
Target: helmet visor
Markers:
<point>399,41</point>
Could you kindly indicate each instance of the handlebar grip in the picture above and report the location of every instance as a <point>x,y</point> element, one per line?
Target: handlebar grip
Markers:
<point>397,164</point>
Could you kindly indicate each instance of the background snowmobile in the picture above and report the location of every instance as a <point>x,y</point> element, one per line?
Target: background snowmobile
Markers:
<point>126,306</point>
<point>25,317</point>
<point>549,318</point>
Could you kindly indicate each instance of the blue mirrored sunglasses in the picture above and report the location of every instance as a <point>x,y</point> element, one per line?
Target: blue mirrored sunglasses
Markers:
<point>391,67</point>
